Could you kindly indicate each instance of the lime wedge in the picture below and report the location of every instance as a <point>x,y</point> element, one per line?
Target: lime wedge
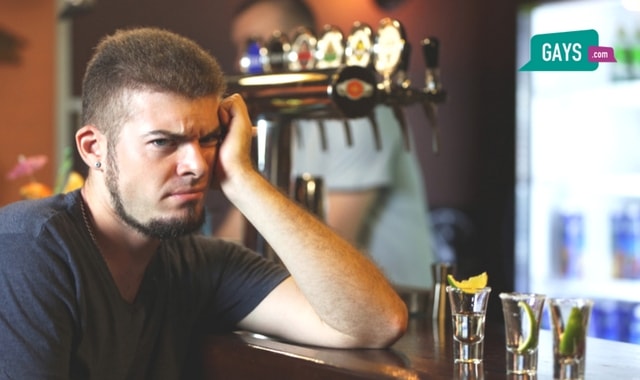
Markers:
<point>530,341</point>
<point>572,333</point>
<point>470,285</point>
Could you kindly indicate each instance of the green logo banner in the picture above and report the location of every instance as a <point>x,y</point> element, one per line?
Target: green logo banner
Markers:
<point>566,51</point>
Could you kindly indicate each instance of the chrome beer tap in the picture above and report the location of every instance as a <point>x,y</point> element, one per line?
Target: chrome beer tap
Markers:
<point>330,50</point>
<point>320,84</point>
<point>393,53</point>
<point>403,84</point>
<point>359,52</point>
<point>389,50</point>
<point>283,81</point>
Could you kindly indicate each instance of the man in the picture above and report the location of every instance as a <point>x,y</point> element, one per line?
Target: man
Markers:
<point>110,282</point>
<point>375,197</point>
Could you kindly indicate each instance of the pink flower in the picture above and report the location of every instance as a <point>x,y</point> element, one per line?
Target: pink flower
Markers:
<point>26,166</point>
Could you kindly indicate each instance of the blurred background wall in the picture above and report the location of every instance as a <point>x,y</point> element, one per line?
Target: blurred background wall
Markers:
<point>27,48</point>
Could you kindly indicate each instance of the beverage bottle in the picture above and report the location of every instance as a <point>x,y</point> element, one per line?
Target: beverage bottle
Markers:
<point>634,325</point>
<point>572,241</point>
<point>596,321</point>
<point>635,55</point>
<point>626,240</point>
<point>622,51</point>
<point>631,259</point>
<point>620,238</point>
<point>608,322</point>
<point>625,310</point>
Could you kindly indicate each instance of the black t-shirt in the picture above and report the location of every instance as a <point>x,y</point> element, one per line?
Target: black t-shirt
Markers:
<point>62,316</point>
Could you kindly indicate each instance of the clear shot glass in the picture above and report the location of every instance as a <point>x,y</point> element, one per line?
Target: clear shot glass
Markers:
<point>522,315</point>
<point>468,315</point>
<point>569,323</point>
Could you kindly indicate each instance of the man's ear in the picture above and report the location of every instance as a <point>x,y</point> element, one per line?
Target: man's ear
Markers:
<point>91,144</point>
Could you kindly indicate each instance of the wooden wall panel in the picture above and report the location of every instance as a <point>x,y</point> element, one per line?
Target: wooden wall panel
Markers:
<point>27,91</point>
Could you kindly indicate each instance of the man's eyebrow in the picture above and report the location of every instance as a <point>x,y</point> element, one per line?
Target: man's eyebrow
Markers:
<point>165,133</point>
<point>179,136</point>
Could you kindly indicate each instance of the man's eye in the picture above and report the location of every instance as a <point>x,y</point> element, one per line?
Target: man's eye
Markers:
<point>210,139</point>
<point>161,142</point>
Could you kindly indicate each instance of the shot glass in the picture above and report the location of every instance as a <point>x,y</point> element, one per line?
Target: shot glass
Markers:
<point>468,314</point>
<point>468,371</point>
<point>522,314</point>
<point>569,322</point>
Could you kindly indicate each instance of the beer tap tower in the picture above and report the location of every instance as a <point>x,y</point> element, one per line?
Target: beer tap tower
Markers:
<point>330,77</point>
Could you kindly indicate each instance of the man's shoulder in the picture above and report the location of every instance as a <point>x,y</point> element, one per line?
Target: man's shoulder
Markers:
<point>28,216</point>
<point>37,234</point>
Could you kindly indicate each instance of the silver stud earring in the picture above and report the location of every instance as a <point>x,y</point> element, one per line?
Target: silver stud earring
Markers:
<point>98,165</point>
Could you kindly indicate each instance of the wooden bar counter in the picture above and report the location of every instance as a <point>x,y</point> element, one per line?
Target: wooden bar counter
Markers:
<point>423,353</point>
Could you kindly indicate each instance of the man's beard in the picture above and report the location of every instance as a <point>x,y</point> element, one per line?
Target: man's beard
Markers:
<point>155,228</point>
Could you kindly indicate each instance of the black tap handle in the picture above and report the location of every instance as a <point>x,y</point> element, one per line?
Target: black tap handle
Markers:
<point>276,52</point>
<point>430,49</point>
<point>405,57</point>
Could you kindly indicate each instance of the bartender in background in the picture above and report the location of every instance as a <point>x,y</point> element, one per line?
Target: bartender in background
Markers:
<point>375,197</point>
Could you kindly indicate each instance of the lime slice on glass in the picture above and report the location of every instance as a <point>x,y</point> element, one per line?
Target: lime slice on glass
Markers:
<point>529,339</point>
<point>572,333</point>
<point>470,285</point>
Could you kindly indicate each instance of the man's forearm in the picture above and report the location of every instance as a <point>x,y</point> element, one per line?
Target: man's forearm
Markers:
<point>345,288</point>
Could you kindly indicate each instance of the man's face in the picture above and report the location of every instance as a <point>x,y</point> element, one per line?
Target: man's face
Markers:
<point>159,168</point>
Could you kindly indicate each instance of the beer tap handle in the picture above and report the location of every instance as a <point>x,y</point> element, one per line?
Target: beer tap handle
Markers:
<point>403,82</point>
<point>431,111</point>
<point>402,78</point>
<point>376,131</point>
<point>277,49</point>
<point>398,112</point>
<point>347,132</point>
<point>323,135</point>
<point>252,61</point>
<point>330,48</point>
<point>303,46</point>
<point>430,50</point>
<point>298,135</point>
<point>390,48</point>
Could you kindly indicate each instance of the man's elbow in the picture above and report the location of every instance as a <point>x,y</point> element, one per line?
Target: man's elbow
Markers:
<point>397,326</point>
<point>391,330</point>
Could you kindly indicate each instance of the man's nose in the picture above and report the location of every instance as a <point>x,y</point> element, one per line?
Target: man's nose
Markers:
<point>192,160</point>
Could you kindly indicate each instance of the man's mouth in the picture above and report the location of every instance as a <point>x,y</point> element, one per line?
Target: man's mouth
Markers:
<point>188,194</point>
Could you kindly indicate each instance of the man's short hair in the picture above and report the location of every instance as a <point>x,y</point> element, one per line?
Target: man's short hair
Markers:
<point>144,59</point>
